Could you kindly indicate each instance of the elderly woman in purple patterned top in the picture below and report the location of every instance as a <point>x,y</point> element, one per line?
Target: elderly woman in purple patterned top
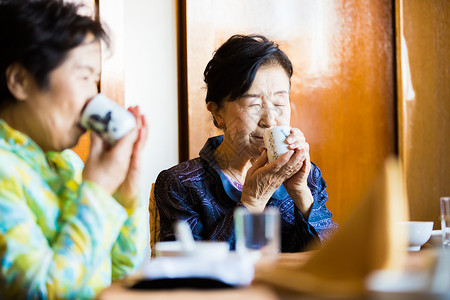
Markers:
<point>248,86</point>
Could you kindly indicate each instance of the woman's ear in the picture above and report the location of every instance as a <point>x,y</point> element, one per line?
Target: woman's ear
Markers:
<point>18,81</point>
<point>216,112</point>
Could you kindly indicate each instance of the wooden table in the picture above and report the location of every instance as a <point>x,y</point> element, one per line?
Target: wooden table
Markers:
<point>416,261</point>
<point>117,291</point>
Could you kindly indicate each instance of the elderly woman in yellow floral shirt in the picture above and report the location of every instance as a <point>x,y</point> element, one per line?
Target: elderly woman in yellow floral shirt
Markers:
<point>66,230</point>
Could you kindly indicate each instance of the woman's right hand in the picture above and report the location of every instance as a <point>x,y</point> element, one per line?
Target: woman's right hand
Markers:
<point>263,179</point>
<point>108,166</point>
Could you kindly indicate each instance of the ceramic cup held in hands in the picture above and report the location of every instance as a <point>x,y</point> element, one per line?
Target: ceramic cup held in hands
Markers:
<point>107,118</point>
<point>274,140</point>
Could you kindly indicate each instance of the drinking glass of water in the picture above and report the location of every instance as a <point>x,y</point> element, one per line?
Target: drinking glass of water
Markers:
<point>257,234</point>
<point>445,221</point>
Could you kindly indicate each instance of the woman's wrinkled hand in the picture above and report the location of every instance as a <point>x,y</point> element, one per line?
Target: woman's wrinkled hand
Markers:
<point>291,169</point>
<point>116,169</point>
<point>129,188</point>
<point>297,183</point>
<point>263,179</point>
<point>297,142</point>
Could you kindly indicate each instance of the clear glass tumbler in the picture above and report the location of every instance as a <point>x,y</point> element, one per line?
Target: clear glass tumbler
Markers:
<point>257,234</point>
<point>445,221</point>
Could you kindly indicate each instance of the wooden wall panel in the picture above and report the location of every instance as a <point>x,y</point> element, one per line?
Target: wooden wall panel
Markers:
<point>343,85</point>
<point>425,110</point>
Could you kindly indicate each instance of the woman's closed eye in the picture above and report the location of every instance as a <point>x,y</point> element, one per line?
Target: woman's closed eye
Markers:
<point>255,106</point>
<point>280,98</point>
<point>252,101</point>
<point>87,73</point>
<point>86,76</point>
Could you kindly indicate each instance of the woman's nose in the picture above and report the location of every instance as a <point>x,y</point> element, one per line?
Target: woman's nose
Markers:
<point>268,117</point>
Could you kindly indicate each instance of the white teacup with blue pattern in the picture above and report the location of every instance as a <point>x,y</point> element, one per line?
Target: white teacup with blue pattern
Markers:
<point>275,141</point>
<point>107,118</point>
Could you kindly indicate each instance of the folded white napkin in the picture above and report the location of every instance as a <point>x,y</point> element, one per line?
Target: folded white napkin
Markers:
<point>233,269</point>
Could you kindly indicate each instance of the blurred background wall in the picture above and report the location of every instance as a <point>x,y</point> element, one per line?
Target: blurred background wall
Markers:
<point>423,97</point>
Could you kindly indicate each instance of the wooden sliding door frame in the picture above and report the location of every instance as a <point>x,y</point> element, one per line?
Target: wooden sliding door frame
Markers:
<point>183,118</point>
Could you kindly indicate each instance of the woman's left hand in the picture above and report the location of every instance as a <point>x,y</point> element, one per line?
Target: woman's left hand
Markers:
<point>129,188</point>
<point>297,184</point>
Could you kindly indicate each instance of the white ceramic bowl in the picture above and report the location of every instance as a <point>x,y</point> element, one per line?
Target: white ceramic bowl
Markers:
<point>204,249</point>
<point>418,233</point>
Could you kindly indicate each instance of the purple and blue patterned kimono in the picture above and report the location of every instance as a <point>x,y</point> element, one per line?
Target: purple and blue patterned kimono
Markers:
<point>198,192</point>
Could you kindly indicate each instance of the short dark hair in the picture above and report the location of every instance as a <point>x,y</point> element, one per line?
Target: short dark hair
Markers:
<point>38,34</point>
<point>231,71</point>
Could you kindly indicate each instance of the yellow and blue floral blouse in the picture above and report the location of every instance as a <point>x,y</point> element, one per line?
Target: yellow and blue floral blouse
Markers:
<point>60,236</point>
